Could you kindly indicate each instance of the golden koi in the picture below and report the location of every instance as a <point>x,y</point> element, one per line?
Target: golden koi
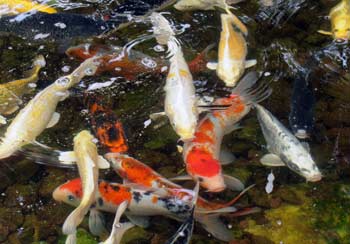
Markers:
<point>39,113</point>
<point>340,21</point>
<point>232,51</point>
<point>21,6</point>
<point>88,161</point>
<point>11,92</point>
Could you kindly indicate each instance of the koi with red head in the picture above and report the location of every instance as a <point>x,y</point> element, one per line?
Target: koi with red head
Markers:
<point>202,154</point>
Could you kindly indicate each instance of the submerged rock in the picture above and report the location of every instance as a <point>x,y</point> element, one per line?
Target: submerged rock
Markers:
<point>10,220</point>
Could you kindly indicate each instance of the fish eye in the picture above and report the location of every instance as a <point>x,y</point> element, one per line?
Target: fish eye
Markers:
<point>71,198</point>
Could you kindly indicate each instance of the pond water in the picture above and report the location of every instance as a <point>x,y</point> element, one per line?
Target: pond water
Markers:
<point>306,70</point>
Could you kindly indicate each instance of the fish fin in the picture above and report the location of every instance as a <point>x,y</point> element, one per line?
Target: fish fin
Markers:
<point>96,222</point>
<point>328,33</point>
<point>71,239</point>
<point>67,157</point>
<point>245,211</point>
<point>230,129</point>
<point>141,221</point>
<point>73,220</point>
<point>229,2</point>
<point>3,120</point>
<point>249,93</point>
<point>102,163</point>
<point>181,178</point>
<point>118,228</point>
<point>39,61</point>
<point>212,65</point>
<point>233,183</point>
<point>250,63</point>
<point>41,145</point>
<point>54,120</point>
<point>12,109</point>
<point>305,145</point>
<point>213,224</point>
<point>220,210</point>
<point>179,148</point>
<point>226,157</point>
<point>156,116</point>
<point>272,160</point>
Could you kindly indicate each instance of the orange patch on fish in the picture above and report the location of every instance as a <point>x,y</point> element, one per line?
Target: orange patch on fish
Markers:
<point>136,172</point>
<point>200,162</point>
<point>114,193</point>
<point>154,199</point>
<point>74,186</point>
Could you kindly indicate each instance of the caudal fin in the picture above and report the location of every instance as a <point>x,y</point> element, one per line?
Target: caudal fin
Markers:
<point>250,93</point>
<point>73,220</point>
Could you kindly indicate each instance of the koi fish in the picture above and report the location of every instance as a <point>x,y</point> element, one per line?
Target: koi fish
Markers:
<point>340,21</point>
<point>202,153</point>
<point>285,149</point>
<point>88,161</point>
<point>232,51</point>
<point>39,113</point>
<point>21,6</point>
<point>190,5</point>
<point>135,172</point>
<point>180,103</point>
<point>106,125</point>
<point>141,203</point>
<point>132,63</point>
<point>11,92</point>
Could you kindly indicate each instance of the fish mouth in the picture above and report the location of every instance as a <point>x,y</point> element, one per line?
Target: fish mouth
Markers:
<point>315,178</point>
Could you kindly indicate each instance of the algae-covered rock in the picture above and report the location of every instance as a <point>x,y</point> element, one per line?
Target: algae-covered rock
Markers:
<point>136,235</point>
<point>20,195</point>
<point>51,181</point>
<point>320,215</point>
<point>83,237</point>
<point>161,137</point>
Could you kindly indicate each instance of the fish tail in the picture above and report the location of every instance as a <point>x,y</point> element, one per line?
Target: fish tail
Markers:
<point>249,93</point>
<point>173,46</point>
<point>38,63</point>
<point>73,220</point>
<point>213,224</point>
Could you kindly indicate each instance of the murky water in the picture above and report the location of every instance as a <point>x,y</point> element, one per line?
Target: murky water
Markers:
<point>284,40</point>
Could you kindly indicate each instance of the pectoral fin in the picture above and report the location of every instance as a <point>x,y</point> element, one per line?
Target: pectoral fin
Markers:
<point>328,33</point>
<point>213,224</point>
<point>181,178</point>
<point>234,127</point>
<point>212,65</point>
<point>3,120</point>
<point>54,120</point>
<point>141,221</point>
<point>250,63</point>
<point>67,157</point>
<point>96,223</point>
<point>233,183</point>
<point>226,157</point>
<point>102,163</point>
<point>272,160</point>
<point>156,116</point>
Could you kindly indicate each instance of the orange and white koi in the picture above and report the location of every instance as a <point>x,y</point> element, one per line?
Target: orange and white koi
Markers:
<point>202,154</point>
<point>232,51</point>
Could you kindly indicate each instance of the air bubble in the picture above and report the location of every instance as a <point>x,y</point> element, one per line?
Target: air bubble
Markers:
<point>63,81</point>
<point>149,63</point>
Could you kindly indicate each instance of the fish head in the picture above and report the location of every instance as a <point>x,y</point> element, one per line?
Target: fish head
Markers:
<point>341,28</point>
<point>203,167</point>
<point>213,184</point>
<point>123,164</point>
<point>70,192</point>
<point>305,167</point>
<point>84,135</point>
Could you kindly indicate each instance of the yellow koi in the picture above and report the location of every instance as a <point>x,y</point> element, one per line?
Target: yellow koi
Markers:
<point>11,92</point>
<point>190,5</point>
<point>232,51</point>
<point>39,113</point>
<point>21,6</point>
<point>340,21</point>
<point>87,159</point>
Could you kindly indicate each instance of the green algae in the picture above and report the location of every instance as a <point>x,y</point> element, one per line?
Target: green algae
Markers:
<point>83,237</point>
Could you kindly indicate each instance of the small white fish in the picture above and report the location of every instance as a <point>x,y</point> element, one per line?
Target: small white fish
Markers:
<point>284,147</point>
<point>88,162</point>
<point>232,51</point>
